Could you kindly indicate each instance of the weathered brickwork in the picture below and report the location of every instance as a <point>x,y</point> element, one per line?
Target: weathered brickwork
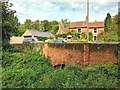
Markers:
<point>83,54</point>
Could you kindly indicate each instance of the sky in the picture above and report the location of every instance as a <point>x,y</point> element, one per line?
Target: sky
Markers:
<point>73,10</point>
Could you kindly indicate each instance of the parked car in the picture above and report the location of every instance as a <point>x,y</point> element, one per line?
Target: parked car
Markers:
<point>58,41</point>
<point>30,40</point>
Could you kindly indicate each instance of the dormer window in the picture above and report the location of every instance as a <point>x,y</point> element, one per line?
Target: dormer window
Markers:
<point>95,30</point>
<point>79,30</point>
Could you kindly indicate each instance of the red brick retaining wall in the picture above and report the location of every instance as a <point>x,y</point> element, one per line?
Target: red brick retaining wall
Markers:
<point>83,54</point>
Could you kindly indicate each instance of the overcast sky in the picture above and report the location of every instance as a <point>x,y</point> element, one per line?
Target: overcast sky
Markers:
<point>74,10</point>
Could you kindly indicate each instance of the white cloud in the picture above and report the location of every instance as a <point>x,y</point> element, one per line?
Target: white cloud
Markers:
<point>76,5</point>
<point>58,9</point>
<point>96,8</point>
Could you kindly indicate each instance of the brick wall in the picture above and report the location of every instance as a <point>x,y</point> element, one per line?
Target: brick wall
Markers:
<point>83,54</point>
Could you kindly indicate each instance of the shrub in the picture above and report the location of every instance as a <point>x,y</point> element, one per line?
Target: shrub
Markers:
<point>83,36</point>
<point>90,36</point>
<point>33,70</point>
<point>42,38</point>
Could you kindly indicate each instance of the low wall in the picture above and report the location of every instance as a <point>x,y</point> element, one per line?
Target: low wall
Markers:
<point>83,54</point>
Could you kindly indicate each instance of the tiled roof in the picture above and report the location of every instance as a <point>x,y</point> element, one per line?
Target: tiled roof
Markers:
<point>83,24</point>
<point>42,34</point>
<point>65,30</point>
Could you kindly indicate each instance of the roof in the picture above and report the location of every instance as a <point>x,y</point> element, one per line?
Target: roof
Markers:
<point>37,33</point>
<point>83,24</point>
<point>65,30</point>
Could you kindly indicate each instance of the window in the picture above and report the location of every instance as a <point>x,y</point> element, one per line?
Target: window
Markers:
<point>79,35</point>
<point>79,30</point>
<point>95,30</point>
<point>95,38</point>
<point>33,39</point>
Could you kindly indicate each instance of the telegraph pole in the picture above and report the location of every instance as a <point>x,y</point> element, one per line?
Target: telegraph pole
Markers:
<point>87,20</point>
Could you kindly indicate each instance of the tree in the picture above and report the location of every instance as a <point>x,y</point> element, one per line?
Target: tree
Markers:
<point>83,36</point>
<point>9,23</point>
<point>108,21</point>
<point>119,23</point>
<point>28,24</point>
<point>74,33</point>
<point>100,37</point>
<point>55,29</point>
<point>111,28</point>
<point>65,23</point>
<point>21,30</point>
<point>90,36</point>
<point>36,25</point>
<point>54,23</point>
<point>55,26</point>
<point>47,25</point>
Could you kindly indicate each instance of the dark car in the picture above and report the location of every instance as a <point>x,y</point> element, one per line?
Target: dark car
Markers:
<point>30,40</point>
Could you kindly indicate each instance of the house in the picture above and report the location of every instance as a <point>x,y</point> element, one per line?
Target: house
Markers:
<point>62,30</point>
<point>35,34</point>
<point>29,34</point>
<point>16,40</point>
<point>95,27</point>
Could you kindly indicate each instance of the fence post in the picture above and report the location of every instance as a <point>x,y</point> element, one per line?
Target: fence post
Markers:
<point>45,50</point>
<point>86,54</point>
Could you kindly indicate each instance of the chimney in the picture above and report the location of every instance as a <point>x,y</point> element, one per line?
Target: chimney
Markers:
<point>86,18</point>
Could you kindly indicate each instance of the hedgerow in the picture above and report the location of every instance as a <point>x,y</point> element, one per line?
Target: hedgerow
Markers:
<point>33,70</point>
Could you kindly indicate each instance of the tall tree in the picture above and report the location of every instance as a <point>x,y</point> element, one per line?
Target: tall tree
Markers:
<point>47,25</point>
<point>107,22</point>
<point>55,29</point>
<point>119,22</point>
<point>28,24</point>
<point>111,28</point>
<point>65,23</point>
<point>36,25</point>
<point>21,30</point>
<point>54,23</point>
<point>9,23</point>
<point>55,26</point>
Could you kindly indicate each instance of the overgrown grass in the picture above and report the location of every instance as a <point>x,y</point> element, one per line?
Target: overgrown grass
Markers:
<point>32,70</point>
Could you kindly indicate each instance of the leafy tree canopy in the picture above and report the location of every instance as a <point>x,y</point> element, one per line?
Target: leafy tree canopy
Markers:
<point>111,28</point>
<point>9,23</point>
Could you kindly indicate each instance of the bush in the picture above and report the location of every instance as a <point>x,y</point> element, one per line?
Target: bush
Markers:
<point>33,70</point>
<point>23,69</point>
<point>42,38</point>
<point>83,36</point>
<point>90,36</point>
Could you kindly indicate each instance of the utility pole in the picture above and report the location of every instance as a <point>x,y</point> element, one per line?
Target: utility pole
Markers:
<point>87,20</point>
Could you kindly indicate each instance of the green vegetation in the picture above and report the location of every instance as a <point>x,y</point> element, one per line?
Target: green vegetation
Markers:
<point>45,25</point>
<point>33,70</point>
<point>65,23</point>
<point>55,29</point>
<point>42,38</point>
<point>9,24</point>
<point>90,36</point>
<point>111,26</point>
<point>42,26</point>
<point>83,36</point>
